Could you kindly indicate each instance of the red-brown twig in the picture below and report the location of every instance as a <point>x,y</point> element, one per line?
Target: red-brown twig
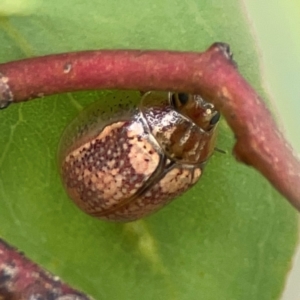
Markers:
<point>22,279</point>
<point>211,74</point>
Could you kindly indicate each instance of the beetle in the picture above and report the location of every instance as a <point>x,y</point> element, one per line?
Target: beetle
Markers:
<point>124,164</point>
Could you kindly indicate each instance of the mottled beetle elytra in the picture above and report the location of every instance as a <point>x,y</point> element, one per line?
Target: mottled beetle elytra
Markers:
<point>126,163</point>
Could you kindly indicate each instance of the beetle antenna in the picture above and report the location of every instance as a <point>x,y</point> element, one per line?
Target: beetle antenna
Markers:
<point>220,150</point>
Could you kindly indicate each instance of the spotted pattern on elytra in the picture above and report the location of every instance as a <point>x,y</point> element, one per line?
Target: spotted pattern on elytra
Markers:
<point>111,167</point>
<point>173,184</point>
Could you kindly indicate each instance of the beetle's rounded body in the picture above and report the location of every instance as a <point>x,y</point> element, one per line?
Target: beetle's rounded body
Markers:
<point>124,165</point>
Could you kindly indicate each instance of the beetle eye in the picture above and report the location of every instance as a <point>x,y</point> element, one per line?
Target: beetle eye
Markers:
<point>173,99</point>
<point>180,100</point>
<point>183,98</point>
<point>214,120</point>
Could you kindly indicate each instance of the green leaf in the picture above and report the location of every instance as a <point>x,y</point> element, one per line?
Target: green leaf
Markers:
<point>230,237</point>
